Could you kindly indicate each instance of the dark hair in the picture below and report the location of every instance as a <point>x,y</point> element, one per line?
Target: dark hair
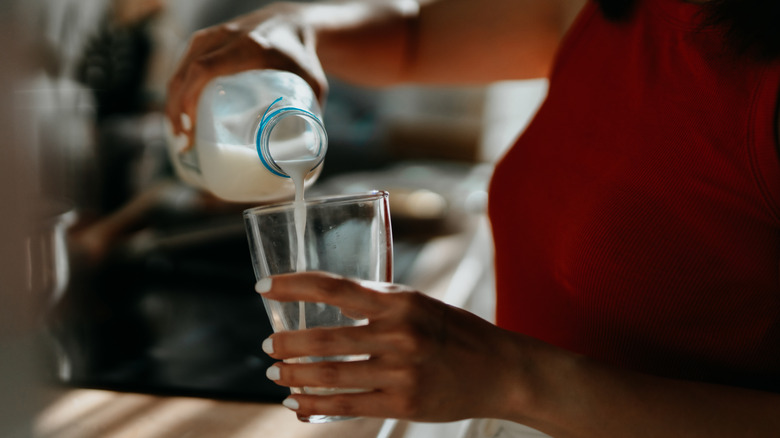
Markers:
<point>752,26</point>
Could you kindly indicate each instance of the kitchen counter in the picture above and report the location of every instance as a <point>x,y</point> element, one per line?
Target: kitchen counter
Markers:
<point>91,413</point>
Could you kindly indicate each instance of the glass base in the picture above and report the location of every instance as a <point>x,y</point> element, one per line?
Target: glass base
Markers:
<point>319,419</point>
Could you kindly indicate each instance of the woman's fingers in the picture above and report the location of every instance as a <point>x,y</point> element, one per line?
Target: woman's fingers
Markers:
<point>363,404</point>
<point>202,42</point>
<point>366,375</point>
<point>221,60</point>
<point>320,342</point>
<point>317,287</point>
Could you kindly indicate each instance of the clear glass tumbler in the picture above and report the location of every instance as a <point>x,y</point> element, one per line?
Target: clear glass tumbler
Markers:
<point>348,235</point>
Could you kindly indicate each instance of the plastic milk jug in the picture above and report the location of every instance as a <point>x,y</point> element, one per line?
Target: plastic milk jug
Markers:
<point>252,128</point>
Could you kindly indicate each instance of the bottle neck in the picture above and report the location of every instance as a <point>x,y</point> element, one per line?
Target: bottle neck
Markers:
<point>290,135</point>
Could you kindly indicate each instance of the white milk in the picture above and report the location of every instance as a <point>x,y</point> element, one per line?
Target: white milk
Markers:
<point>234,172</point>
<point>297,170</point>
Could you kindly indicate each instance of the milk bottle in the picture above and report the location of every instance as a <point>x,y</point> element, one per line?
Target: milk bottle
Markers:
<point>258,134</point>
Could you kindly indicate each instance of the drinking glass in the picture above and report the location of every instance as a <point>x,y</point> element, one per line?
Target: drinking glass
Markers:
<point>348,235</point>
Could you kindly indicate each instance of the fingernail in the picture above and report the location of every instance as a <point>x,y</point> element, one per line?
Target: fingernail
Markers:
<point>186,122</point>
<point>273,372</point>
<point>268,346</point>
<point>291,403</point>
<point>263,285</point>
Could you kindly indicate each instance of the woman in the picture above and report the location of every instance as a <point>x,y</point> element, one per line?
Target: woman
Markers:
<point>636,220</point>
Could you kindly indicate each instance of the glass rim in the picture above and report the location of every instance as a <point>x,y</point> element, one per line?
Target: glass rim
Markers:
<point>371,195</point>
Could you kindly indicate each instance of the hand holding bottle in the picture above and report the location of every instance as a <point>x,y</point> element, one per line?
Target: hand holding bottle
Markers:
<point>274,37</point>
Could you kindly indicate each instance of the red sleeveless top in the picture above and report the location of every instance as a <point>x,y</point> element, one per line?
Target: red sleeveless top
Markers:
<point>637,218</point>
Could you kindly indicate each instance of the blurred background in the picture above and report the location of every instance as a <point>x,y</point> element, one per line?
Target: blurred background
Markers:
<point>117,275</point>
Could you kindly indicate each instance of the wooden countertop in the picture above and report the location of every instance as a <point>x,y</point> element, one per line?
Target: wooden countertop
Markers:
<point>91,413</point>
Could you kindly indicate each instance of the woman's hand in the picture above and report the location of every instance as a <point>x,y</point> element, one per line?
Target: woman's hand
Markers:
<point>428,361</point>
<point>274,37</point>
<point>432,362</point>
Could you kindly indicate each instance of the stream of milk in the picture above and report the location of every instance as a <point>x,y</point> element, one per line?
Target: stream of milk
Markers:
<point>297,170</point>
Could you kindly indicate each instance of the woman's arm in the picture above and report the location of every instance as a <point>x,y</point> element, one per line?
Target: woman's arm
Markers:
<point>433,362</point>
<point>375,42</point>
<point>577,397</point>
<point>452,41</point>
